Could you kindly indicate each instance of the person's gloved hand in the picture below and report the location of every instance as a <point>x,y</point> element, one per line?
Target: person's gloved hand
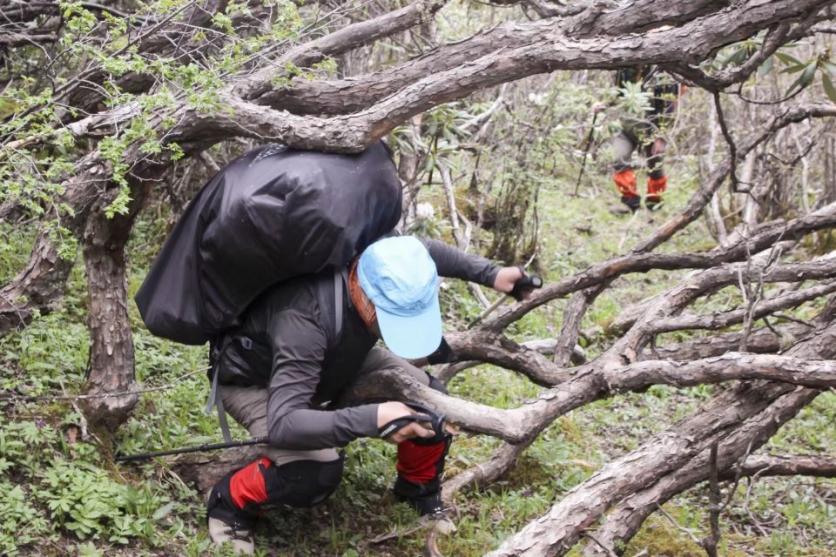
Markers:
<point>388,412</point>
<point>515,282</point>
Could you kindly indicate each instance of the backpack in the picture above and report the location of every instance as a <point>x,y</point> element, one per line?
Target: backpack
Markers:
<point>272,214</point>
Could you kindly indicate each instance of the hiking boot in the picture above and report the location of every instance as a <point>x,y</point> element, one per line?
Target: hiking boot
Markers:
<point>424,498</point>
<point>239,536</point>
<point>227,523</point>
<point>632,202</point>
<point>653,202</point>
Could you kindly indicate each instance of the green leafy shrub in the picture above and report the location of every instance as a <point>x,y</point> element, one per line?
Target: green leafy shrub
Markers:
<point>24,445</point>
<point>20,522</point>
<point>50,352</point>
<point>86,501</point>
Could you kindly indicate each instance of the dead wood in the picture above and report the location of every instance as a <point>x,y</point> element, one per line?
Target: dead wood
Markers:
<point>785,465</point>
<point>762,407</point>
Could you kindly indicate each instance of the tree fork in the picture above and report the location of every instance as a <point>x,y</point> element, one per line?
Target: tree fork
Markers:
<point>624,521</point>
<point>668,453</point>
<point>43,280</point>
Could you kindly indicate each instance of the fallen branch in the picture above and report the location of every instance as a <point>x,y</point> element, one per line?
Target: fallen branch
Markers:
<point>822,466</point>
<point>669,456</point>
<point>627,517</point>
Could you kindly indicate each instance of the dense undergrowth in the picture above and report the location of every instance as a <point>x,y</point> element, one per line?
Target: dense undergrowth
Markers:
<point>61,493</point>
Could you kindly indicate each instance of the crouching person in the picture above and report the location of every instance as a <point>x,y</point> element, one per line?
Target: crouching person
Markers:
<point>304,343</point>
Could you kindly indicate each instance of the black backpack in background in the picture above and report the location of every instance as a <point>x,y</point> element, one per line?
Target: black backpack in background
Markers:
<point>272,214</point>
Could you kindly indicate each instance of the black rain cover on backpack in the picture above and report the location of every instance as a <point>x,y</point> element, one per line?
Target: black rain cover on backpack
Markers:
<point>272,214</point>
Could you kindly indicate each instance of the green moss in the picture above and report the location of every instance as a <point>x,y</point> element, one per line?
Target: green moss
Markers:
<point>660,538</point>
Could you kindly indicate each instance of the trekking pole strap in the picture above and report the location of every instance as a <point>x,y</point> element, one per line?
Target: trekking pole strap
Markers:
<point>215,399</point>
<point>339,281</point>
<point>423,415</point>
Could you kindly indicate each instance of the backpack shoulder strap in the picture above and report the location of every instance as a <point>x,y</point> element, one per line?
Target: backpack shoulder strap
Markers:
<point>215,399</point>
<point>338,303</point>
<point>340,285</point>
<point>332,297</point>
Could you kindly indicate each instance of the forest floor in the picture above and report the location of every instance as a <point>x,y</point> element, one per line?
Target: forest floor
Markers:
<point>61,495</point>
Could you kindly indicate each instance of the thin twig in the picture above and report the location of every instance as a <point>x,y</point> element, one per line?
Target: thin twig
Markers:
<point>607,550</point>
<point>709,543</point>
<point>679,526</point>
<point>721,119</point>
<point>48,398</point>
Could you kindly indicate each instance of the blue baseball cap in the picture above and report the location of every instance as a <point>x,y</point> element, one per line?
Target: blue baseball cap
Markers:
<point>399,277</point>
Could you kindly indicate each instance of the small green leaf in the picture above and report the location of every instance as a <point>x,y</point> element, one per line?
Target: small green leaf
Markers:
<point>736,58</point>
<point>804,79</point>
<point>809,73</point>
<point>794,68</point>
<point>163,511</point>
<point>787,59</point>
<point>766,67</point>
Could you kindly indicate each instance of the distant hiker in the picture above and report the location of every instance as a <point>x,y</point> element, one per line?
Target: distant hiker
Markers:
<point>644,132</point>
<point>301,344</point>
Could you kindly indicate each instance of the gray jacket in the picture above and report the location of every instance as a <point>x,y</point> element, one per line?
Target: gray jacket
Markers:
<point>288,343</point>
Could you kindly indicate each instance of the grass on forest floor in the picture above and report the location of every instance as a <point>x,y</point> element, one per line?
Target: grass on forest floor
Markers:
<point>64,496</point>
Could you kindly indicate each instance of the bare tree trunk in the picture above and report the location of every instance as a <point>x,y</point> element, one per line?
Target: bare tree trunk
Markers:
<point>756,192</point>
<point>111,364</point>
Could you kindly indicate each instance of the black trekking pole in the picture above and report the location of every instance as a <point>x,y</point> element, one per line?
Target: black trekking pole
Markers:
<point>196,449</point>
<point>527,282</point>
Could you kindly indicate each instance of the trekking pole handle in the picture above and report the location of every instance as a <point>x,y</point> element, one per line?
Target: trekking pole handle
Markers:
<point>423,416</point>
<point>521,287</point>
<point>399,423</point>
<point>524,285</point>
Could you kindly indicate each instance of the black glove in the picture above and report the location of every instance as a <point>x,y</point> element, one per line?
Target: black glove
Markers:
<point>423,416</point>
<point>528,283</point>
